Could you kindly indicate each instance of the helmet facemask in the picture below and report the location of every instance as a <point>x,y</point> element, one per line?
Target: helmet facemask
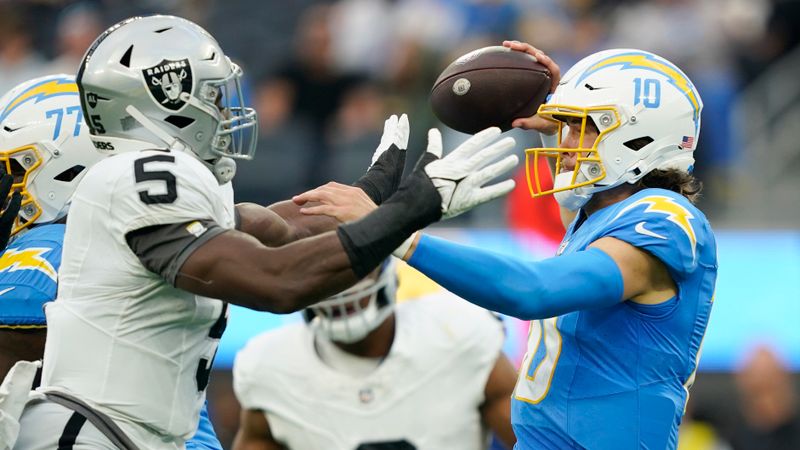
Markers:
<point>353,314</point>
<point>236,133</point>
<point>22,163</point>
<point>589,168</point>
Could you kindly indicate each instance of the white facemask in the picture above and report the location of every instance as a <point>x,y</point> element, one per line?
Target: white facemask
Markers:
<point>331,317</point>
<point>572,199</point>
<point>349,329</point>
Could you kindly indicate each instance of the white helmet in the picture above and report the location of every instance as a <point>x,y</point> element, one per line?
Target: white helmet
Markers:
<point>45,146</point>
<point>342,317</point>
<point>164,82</point>
<point>646,110</point>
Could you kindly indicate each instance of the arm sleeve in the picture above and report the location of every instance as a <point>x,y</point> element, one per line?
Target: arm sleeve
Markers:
<point>521,288</point>
<point>205,438</point>
<point>163,249</point>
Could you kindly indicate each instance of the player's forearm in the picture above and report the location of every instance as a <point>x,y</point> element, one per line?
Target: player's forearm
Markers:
<point>517,287</point>
<point>280,223</point>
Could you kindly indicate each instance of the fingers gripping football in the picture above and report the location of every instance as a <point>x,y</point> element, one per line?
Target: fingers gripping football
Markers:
<point>459,177</point>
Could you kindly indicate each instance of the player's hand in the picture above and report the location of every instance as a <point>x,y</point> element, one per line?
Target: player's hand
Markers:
<point>9,215</point>
<point>535,122</point>
<point>386,169</point>
<point>340,201</point>
<point>459,177</point>
<point>13,396</point>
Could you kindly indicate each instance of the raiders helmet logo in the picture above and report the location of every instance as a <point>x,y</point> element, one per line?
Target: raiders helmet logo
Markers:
<point>167,80</point>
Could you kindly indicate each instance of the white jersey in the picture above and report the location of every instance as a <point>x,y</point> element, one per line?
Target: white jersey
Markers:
<point>426,391</point>
<point>119,336</point>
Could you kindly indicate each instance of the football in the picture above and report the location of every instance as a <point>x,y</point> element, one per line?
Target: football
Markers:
<point>488,87</point>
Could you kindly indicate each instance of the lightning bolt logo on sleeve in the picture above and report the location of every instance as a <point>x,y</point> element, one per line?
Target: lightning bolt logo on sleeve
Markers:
<point>675,213</point>
<point>28,259</point>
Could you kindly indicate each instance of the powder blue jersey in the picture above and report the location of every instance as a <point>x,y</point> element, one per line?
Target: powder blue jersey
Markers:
<point>618,377</point>
<point>29,279</point>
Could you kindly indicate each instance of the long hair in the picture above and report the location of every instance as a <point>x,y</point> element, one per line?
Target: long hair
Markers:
<point>674,180</point>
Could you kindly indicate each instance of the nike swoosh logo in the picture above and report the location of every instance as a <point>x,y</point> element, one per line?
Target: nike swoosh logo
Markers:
<point>642,230</point>
<point>7,290</point>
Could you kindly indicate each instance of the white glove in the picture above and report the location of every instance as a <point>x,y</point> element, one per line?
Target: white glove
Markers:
<point>13,396</point>
<point>395,131</point>
<point>459,176</point>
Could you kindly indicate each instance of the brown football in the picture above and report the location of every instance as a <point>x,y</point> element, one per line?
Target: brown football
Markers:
<point>488,87</point>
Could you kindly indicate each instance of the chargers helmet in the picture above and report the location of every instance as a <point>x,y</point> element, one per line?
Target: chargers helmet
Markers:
<point>164,82</point>
<point>45,146</point>
<point>342,317</point>
<point>647,113</point>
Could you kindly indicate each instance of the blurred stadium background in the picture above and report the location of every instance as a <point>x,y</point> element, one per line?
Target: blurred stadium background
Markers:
<point>324,74</point>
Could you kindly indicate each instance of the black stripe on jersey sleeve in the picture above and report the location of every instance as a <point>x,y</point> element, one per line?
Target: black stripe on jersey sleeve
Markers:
<point>163,249</point>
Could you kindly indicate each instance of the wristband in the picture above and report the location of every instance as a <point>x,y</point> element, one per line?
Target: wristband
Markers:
<point>415,205</point>
<point>383,177</point>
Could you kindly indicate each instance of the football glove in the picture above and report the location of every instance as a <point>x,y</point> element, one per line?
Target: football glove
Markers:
<point>460,175</point>
<point>9,215</point>
<point>386,169</point>
<point>13,396</point>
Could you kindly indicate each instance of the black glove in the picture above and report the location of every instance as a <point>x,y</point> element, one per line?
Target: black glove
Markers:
<point>384,174</point>
<point>9,215</point>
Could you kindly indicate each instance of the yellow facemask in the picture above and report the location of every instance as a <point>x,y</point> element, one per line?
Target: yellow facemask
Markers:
<point>20,163</point>
<point>608,118</point>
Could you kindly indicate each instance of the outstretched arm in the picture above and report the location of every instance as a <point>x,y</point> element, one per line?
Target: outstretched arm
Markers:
<point>518,287</point>
<point>235,266</point>
<point>282,222</point>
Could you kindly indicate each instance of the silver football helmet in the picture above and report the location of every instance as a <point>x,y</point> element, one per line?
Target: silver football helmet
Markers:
<point>164,82</point>
<point>45,145</point>
<point>345,318</point>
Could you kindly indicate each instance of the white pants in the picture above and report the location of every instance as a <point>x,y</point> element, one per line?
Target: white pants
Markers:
<point>49,426</point>
<point>45,425</point>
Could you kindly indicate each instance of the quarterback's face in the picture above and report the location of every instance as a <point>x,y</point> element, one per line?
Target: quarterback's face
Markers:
<point>572,139</point>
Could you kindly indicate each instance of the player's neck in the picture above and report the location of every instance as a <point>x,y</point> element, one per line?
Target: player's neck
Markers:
<point>377,344</point>
<point>606,198</point>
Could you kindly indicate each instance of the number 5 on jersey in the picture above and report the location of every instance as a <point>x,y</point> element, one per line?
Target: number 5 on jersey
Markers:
<point>143,175</point>
<point>544,347</point>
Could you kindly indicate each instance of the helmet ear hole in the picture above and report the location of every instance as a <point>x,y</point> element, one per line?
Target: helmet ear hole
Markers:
<point>179,121</point>
<point>69,174</point>
<point>637,144</point>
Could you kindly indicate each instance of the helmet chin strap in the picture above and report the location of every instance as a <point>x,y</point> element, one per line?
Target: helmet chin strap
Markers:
<point>223,168</point>
<point>572,199</point>
<point>171,142</point>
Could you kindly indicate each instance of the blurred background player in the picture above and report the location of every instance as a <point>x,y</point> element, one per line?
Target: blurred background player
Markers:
<point>45,146</point>
<point>160,96</point>
<point>361,374</point>
<point>619,315</point>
